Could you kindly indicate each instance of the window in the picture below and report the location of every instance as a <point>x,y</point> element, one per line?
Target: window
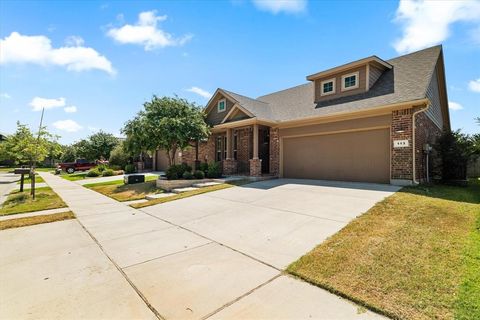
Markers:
<point>327,87</point>
<point>218,149</point>
<point>235,146</point>
<point>222,105</point>
<point>350,81</point>
<point>225,147</point>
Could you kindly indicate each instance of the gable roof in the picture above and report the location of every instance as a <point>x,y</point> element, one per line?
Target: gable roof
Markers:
<point>407,80</point>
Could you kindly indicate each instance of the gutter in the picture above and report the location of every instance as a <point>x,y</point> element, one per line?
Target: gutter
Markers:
<point>413,141</point>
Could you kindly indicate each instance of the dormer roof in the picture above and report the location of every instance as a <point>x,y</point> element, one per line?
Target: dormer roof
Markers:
<point>369,60</point>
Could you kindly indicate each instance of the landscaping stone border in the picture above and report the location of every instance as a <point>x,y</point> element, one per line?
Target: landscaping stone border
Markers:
<point>168,185</point>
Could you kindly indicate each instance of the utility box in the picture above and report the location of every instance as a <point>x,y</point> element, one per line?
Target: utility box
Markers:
<point>134,178</point>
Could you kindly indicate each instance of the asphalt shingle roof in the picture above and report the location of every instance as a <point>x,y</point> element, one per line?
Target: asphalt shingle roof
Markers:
<point>408,80</point>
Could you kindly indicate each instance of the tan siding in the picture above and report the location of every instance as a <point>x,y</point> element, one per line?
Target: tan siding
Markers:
<point>375,73</point>
<point>435,110</point>
<point>214,117</point>
<point>353,156</point>
<point>338,126</point>
<point>338,84</point>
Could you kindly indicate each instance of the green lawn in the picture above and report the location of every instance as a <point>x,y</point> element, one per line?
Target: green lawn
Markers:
<point>415,255</point>
<point>188,194</point>
<point>30,221</point>
<point>27,180</point>
<point>125,192</point>
<point>73,176</point>
<point>20,202</point>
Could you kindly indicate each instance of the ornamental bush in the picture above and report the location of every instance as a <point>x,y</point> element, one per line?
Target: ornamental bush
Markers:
<point>199,174</point>
<point>214,170</point>
<point>107,173</point>
<point>129,168</point>
<point>93,173</point>
<point>187,175</point>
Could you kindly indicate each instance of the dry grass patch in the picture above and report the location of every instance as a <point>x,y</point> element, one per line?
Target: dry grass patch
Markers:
<point>125,192</point>
<point>406,256</point>
<point>20,202</point>
<point>30,221</point>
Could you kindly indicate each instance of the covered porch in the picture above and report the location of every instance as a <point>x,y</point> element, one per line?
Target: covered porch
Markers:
<point>249,148</point>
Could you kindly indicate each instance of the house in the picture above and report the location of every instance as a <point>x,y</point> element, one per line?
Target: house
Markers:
<point>369,120</point>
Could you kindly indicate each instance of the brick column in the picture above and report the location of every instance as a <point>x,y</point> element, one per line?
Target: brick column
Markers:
<point>274,151</point>
<point>402,159</point>
<point>255,167</point>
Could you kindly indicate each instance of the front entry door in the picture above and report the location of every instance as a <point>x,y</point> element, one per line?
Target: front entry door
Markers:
<point>264,149</point>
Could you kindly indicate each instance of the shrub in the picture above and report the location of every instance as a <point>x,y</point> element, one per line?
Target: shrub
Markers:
<point>185,167</point>
<point>115,167</point>
<point>214,170</point>
<point>101,167</point>
<point>199,174</point>
<point>129,168</point>
<point>187,175</point>
<point>93,173</point>
<point>107,173</point>
<point>174,172</point>
<point>203,167</point>
<point>118,157</point>
<point>455,150</point>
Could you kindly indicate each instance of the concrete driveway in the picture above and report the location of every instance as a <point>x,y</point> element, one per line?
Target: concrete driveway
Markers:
<point>273,221</point>
<point>222,254</point>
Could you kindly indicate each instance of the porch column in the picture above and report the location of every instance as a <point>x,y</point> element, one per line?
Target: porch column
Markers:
<point>229,144</point>
<point>255,141</point>
<point>255,162</point>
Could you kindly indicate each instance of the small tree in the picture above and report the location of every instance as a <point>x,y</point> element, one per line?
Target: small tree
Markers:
<point>166,123</point>
<point>23,147</point>
<point>455,150</point>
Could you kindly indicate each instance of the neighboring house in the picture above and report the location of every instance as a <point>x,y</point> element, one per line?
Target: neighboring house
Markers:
<point>369,120</point>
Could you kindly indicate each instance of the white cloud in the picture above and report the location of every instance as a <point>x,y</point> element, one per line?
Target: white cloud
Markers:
<point>38,103</point>
<point>200,92</point>
<point>454,106</point>
<point>146,33</point>
<point>427,23</point>
<point>67,125</point>
<point>474,85</point>
<point>93,129</point>
<point>74,41</point>
<point>70,109</point>
<point>5,95</point>
<point>17,48</point>
<point>277,6</point>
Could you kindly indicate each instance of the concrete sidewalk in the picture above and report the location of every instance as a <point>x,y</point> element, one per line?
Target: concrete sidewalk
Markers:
<point>8,182</point>
<point>57,271</point>
<point>185,274</point>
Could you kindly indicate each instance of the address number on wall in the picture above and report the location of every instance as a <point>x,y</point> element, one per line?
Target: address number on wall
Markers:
<point>400,143</point>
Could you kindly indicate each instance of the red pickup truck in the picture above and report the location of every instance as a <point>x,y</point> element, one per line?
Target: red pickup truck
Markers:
<point>78,165</point>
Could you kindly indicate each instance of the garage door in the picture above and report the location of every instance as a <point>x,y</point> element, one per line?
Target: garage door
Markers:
<point>354,156</point>
<point>162,160</point>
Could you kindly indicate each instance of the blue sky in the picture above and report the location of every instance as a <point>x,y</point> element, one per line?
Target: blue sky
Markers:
<point>95,63</point>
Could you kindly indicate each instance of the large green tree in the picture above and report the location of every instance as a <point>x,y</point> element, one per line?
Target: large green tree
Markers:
<point>96,146</point>
<point>165,123</point>
<point>25,147</point>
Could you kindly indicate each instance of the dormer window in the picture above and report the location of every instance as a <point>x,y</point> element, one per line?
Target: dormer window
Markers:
<point>328,87</point>
<point>350,81</point>
<point>222,105</point>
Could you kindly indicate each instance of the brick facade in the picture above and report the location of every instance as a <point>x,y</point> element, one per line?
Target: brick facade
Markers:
<point>206,152</point>
<point>426,132</point>
<point>401,129</point>
<point>274,151</point>
<point>229,167</point>
<point>402,158</point>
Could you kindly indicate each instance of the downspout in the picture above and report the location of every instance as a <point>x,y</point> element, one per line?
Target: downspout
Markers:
<point>413,140</point>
